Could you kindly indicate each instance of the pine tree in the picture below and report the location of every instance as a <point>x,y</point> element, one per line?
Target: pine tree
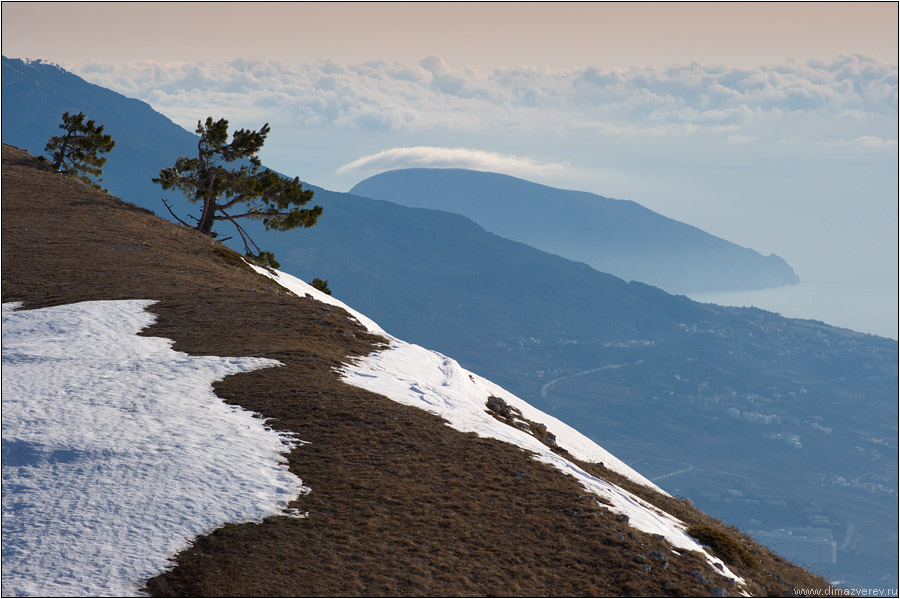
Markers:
<point>77,152</point>
<point>227,177</point>
<point>321,285</point>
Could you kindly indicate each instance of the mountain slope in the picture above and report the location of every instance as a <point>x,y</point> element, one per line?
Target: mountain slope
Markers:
<point>685,390</point>
<point>615,236</point>
<point>401,504</point>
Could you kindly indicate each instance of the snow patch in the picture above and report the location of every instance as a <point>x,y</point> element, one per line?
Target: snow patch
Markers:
<point>116,452</point>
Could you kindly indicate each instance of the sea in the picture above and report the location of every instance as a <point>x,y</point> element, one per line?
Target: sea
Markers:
<point>871,309</point>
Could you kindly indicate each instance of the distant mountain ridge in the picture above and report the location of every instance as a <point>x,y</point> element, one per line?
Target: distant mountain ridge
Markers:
<point>620,237</point>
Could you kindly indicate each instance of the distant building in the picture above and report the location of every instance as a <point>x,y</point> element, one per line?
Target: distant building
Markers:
<point>818,519</point>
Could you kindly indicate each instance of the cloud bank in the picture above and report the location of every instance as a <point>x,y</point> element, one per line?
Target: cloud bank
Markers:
<point>391,96</point>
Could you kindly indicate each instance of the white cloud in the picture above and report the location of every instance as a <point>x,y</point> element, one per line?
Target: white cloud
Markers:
<point>740,139</point>
<point>433,157</point>
<point>871,141</point>
<point>383,96</point>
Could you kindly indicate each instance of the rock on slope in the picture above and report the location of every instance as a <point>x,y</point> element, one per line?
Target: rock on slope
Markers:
<point>401,504</point>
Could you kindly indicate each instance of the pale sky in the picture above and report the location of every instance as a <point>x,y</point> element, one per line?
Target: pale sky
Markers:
<point>482,35</point>
<point>773,125</point>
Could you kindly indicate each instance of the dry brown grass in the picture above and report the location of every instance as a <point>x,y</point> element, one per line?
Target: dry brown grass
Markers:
<point>401,504</point>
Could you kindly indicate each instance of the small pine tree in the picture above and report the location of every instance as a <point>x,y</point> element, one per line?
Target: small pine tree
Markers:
<point>77,152</point>
<point>321,285</point>
<point>228,176</point>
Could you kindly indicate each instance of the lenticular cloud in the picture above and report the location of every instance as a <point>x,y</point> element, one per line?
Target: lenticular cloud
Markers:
<point>436,157</point>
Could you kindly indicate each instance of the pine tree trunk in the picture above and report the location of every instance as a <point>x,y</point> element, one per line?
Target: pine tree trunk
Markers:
<point>204,225</point>
<point>62,152</point>
<point>207,217</point>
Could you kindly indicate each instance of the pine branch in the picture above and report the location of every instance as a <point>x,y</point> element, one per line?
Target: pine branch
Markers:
<point>237,200</point>
<point>252,213</point>
<point>175,216</point>
<point>245,237</point>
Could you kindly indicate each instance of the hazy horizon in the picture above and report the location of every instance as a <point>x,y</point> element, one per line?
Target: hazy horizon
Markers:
<point>771,125</point>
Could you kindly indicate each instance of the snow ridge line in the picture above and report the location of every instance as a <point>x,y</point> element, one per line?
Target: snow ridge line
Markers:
<point>415,376</point>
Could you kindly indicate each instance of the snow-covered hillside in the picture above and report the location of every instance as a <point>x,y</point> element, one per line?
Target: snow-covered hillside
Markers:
<point>116,452</point>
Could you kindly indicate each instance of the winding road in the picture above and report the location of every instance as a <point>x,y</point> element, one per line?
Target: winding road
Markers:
<point>547,386</point>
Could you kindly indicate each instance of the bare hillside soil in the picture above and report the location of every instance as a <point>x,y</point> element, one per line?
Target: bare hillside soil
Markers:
<point>401,504</point>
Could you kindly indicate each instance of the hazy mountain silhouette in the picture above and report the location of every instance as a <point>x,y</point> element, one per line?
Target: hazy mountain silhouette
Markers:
<point>615,236</point>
